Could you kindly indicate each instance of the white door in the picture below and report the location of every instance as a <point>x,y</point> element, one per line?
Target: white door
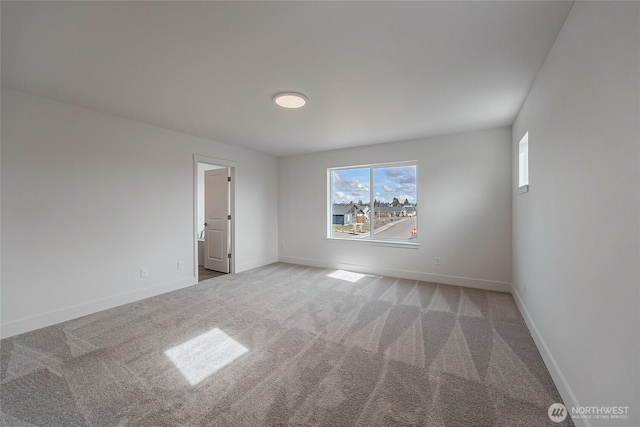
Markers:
<point>216,220</point>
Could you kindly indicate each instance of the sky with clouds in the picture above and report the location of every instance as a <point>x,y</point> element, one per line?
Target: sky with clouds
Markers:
<point>353,185</point>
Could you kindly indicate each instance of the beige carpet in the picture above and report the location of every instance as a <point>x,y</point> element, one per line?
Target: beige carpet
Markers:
<point>284,345</point>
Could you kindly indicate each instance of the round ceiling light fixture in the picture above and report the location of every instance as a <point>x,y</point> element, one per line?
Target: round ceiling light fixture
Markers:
<point>290,100</point>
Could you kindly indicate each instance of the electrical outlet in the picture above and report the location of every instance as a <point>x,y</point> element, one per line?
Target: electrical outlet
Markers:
<point>437,260</point>
<point>180,265</point>
<point>144,272</point>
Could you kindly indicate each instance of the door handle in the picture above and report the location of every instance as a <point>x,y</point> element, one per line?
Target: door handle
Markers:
<point>205,224</point>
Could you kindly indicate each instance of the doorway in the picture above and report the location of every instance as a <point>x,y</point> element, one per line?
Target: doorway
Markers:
<point>214,218</point>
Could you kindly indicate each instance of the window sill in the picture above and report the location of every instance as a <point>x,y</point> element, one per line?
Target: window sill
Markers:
<point>389,243</point>
<point>523,189</point>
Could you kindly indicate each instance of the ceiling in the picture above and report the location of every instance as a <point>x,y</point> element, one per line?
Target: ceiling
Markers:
<point>373,71</point>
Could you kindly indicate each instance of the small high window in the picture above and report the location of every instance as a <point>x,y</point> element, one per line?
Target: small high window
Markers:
<point>523,161</point>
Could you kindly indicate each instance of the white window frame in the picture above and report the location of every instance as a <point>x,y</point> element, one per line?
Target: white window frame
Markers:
<point>371,239</point>
<point>523,164</point>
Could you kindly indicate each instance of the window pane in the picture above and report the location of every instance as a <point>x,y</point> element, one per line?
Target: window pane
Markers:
<point>523,163</point>
<point>395,203</point>
<point>350,193</point>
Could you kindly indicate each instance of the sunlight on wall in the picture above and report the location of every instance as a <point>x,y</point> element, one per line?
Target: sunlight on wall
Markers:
<point>205,354</point>
<point>349,276</point>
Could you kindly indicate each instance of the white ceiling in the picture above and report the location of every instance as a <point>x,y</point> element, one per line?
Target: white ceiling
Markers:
<point>373,72</point>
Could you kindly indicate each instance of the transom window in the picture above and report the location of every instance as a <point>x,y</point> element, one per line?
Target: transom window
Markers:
<point>373,202</point>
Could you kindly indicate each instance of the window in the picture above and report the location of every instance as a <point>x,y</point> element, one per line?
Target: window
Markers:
<point>375,202</point>
<point>523,161</point>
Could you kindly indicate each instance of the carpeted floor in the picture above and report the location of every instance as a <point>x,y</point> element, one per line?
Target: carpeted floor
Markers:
<point>284,345</point>
<point>204,274</point>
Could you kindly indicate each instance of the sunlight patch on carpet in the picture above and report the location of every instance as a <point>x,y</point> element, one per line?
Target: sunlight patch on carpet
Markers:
<point>349,276</point>
<point>205,354</point>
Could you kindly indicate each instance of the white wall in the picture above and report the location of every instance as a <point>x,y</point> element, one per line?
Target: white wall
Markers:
<point>88,199</point>
<point>464,215</point>
<point>576,235</point>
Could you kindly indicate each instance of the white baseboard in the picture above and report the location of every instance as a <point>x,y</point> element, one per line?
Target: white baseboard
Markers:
<point>27,324</point>
<point>561,383</point>
<point>489,285</point>
<point>255,264</point>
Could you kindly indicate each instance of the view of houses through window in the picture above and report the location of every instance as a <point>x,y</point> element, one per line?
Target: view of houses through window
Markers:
<point>377,202</point>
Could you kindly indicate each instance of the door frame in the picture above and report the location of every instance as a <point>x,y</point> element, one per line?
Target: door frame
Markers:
<point>232,207</point>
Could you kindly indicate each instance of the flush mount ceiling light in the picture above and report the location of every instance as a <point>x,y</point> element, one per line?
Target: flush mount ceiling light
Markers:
<point>290,100</point>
